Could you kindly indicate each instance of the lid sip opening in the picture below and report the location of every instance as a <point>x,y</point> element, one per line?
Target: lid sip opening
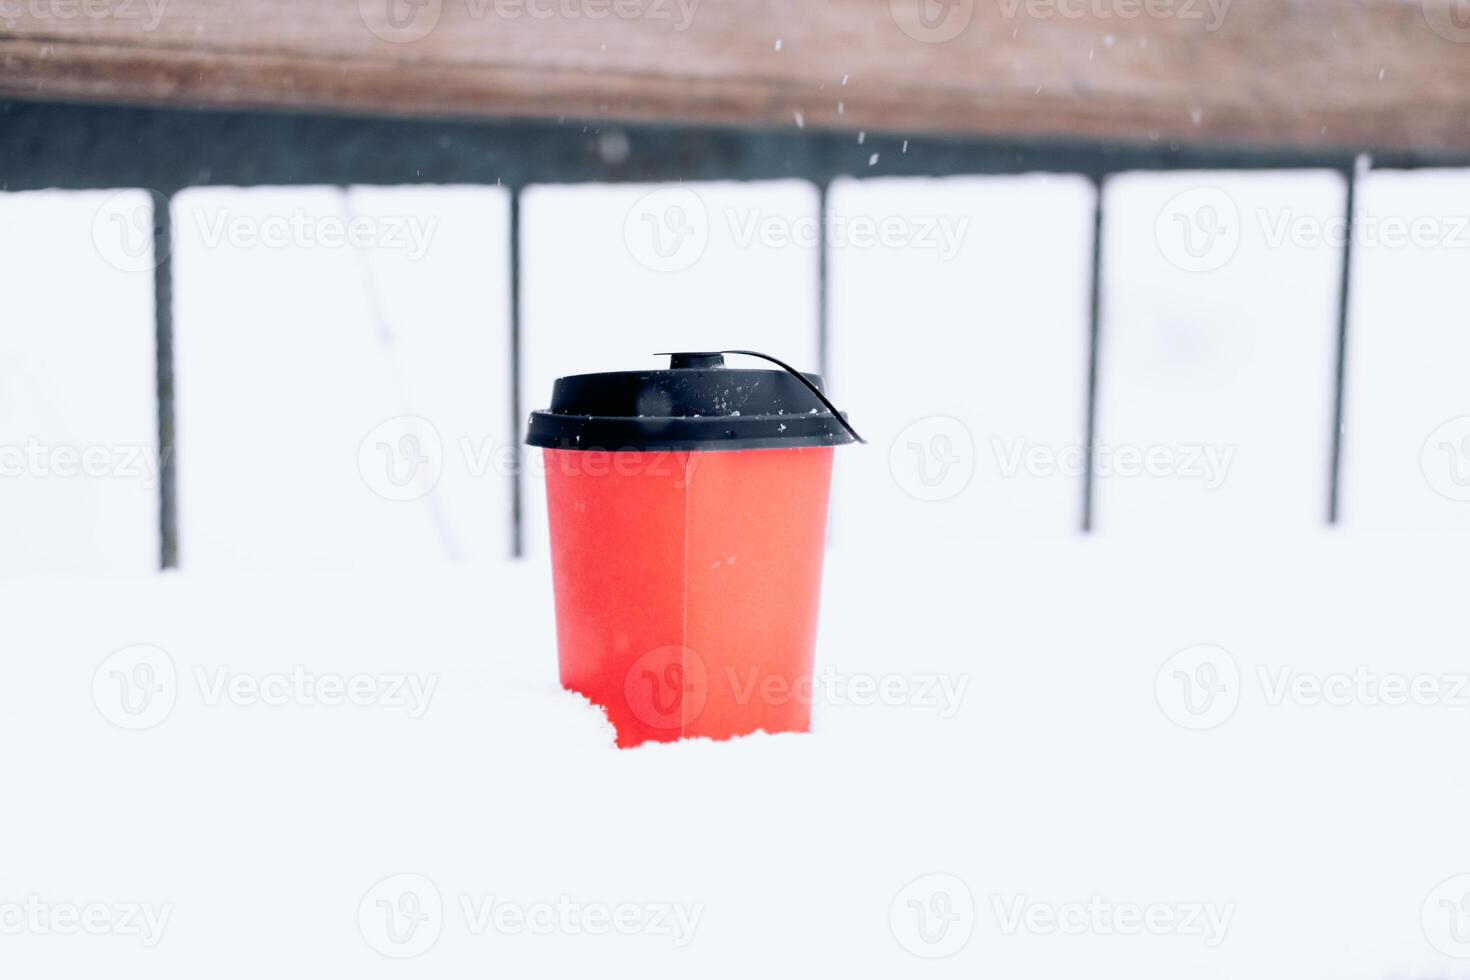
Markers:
<point>696,403</point>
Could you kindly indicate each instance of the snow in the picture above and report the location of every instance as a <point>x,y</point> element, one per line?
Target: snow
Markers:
<point>78,488</point>
<point>1407,354</point>
<point>346,722</point>
<point>1219,335</point>
<point>1051,774</point>
<point>307,369</point>
<point>974,317</point>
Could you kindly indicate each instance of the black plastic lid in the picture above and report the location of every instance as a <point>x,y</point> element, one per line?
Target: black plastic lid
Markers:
<point>696,403</point>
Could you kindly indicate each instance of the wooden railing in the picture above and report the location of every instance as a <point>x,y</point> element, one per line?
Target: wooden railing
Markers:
<point>1375,74</point>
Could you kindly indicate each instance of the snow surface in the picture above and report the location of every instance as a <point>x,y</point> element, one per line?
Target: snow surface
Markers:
<point>1080,759</point>
<point>271,833</point>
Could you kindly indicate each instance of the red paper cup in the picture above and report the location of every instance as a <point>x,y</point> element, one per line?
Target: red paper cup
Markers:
<point>687,562</point>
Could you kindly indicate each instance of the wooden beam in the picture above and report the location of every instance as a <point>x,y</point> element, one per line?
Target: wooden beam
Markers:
<point>1391,74</point>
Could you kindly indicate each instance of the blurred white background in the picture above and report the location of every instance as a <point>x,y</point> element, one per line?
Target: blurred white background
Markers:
<point>958,336</point>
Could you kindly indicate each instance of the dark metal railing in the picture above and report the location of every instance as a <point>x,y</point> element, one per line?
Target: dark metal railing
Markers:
<point>74,147</point>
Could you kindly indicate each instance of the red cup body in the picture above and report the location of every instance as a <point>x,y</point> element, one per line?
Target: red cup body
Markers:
<point>687,586</point>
